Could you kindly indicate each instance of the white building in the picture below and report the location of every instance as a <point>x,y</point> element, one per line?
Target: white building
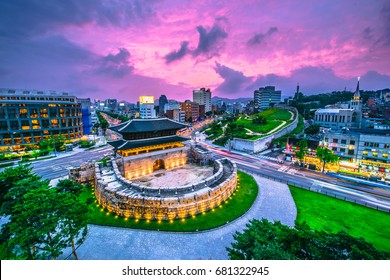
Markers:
<point>146,107</point>
<point>202,97</point>
<point>341,115</point>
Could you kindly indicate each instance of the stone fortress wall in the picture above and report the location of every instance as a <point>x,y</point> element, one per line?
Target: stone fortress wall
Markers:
<point>125,198</point>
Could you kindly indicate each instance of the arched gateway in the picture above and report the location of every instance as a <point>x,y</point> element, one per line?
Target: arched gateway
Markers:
<point>158,164</point>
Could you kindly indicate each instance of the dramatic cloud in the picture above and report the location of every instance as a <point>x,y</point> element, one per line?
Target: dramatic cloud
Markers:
<point>314,80</point>
<point>234,81</point>
<point>211,41</point>
<point>259,38</point>
<point>176,55</point>
<point>34,17</point>
<point>385,17</point>
<point>125,48</point>
<point>116,65</point>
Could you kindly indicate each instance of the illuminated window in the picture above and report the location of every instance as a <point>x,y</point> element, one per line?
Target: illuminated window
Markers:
<point>54,123</point>
<point>375,154</point>
<point>365,153</point>
<point>385,155</point>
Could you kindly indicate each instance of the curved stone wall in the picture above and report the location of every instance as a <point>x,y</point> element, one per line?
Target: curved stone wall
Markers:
<point>119,195</point>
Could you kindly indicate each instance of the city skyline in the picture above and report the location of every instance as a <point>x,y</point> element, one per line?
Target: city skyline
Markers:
<point>124,49</point>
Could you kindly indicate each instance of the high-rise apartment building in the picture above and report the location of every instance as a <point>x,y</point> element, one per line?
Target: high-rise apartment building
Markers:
<point>264,97</point>
<point>202,97</point>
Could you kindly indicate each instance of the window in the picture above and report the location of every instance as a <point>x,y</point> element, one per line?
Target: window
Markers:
<point>365,153</point>
<point>45,124</point>
<point>342,150</point>
<point>14,125</point>
<point>386,146</point>
<point>12,113</point>
<point>385,155</point>
<point>374,154</point>
<point>352,142</point>
<point>334,149</point>
<point>23,113</point>
<point>54,123</point>
<point>3,125</point>
<point>335,140</point>
<point>33,113</point>
<point>352,152</point>
<point>343,141</point>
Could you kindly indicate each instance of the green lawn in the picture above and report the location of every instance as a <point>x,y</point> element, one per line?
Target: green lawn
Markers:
<point>236,206</point>
<point>260,128</point>
<point>276,114</point>
<point>322,212</point>
<point>274,117</point>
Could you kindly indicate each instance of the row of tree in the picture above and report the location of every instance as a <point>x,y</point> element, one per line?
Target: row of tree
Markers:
<point>263,240</point>
<point>42,220</point>
<point>323,153</point>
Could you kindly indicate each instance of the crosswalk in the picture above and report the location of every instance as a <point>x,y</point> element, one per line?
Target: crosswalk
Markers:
<point>288,170</point>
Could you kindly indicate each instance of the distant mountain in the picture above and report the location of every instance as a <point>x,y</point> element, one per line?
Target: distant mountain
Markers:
<point>244,100</point>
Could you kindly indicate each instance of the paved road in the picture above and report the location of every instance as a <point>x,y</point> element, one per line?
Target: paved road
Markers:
<point>58,167</point>
<point>355,192</point>
<point>274,202</point>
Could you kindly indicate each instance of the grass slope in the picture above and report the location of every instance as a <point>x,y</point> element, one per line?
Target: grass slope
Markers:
<point>240,202</point>
<point>329,214</point>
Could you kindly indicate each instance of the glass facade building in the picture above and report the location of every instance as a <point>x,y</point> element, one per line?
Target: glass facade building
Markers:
<point>28,116</point>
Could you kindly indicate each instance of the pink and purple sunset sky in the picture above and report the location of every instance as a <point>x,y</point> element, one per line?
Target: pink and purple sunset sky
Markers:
<point>123,49</point>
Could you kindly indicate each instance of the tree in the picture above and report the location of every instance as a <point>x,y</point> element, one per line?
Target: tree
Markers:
<point>34,225</point>
<point>302,152</point>
<point>10,176</point>
<point>313,129</point>
<point>259,120</point>
<point>42,220</point>
<point>263,240</point>
<point>326,156</point>
<point>74,215</point>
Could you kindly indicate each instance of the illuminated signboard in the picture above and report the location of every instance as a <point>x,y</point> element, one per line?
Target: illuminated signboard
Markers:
<point>146,99</point>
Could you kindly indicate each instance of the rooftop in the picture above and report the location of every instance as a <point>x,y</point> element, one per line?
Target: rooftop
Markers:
<point>333,110</point>
<point>131,144</point>
<point>11,91</point>
<point>372,131</point>
<point>147,125</point>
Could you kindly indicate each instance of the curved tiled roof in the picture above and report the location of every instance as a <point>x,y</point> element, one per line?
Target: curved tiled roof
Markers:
<point>131,144</point>
<point>147,125</point>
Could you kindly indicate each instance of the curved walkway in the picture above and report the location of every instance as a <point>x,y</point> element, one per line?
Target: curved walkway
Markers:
<point>274,202</point>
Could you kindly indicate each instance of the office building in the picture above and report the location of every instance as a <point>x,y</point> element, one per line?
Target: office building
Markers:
<point>28,116</point>
<point>86,115</point>
<point>161,104</point>
<point>266,97</point>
